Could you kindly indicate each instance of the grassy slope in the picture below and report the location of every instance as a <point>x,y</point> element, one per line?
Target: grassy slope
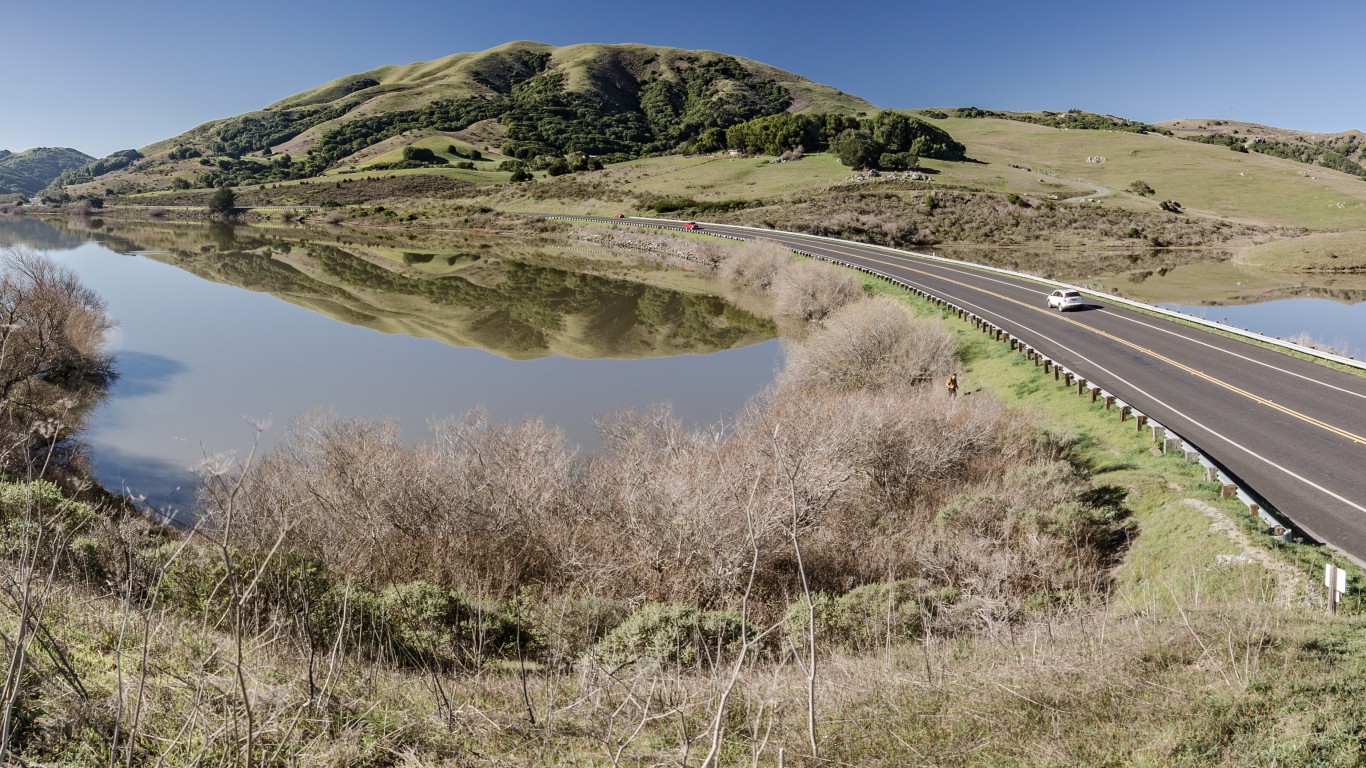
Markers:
<point>1205,179</point>
<point>1329,252</point>
<point>28,172</point>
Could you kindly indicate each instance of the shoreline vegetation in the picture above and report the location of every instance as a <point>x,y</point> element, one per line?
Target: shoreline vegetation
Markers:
<point>859,569</point>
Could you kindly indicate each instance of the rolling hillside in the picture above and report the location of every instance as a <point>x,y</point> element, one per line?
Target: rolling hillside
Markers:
<point>523,99</point>
<point>1344,151</point>
<point>28,172</point>
<point>642,129</point>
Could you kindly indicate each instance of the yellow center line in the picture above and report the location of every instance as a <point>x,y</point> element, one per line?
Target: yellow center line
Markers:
<point>1137,347</point>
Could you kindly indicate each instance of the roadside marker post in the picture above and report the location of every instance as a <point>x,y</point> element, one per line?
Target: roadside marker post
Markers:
<point>1335,579</point>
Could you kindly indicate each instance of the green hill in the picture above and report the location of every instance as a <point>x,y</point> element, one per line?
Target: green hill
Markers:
<point>522,99</point>
<point>1345,151</point>
<point>28,172</point>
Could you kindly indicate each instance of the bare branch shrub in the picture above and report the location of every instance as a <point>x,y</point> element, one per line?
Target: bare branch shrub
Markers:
<point>810,290</point>
<point>875,344</point>
<point>475,507</point>
<point>757,265</point>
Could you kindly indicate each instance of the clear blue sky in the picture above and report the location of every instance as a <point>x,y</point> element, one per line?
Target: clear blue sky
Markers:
<point>102,76</point>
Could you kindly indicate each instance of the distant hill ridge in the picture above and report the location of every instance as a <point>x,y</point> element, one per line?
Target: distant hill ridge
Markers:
<point>30,171</point>
<point>611,101</point>
<point>1344,151</point>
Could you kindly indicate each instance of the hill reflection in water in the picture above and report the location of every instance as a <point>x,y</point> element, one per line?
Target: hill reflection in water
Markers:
<point>219,327</point>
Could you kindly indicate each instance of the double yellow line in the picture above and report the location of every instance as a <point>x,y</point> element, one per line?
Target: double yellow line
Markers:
<point>1306,418</point>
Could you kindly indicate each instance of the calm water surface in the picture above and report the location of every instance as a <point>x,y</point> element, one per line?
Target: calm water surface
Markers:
<point>200,361</point>
<point>1332,323</point>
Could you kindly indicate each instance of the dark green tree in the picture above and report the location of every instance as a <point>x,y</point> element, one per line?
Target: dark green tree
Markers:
<point>856,148</point>
<point>223,204</point>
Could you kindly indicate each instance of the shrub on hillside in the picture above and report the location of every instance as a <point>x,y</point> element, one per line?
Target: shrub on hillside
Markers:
<point>875,344</point>
<point>432,625</point>
<point>810,290</point>
<point>666,635</point>
<point>868,618</point>
<point>756,265</point>
<point>422,155</point>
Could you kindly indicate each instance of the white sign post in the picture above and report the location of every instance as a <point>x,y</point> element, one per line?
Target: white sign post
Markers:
<point>1335,579</point>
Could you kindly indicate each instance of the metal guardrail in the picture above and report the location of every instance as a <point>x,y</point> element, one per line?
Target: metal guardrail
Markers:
<point>1340,359</point>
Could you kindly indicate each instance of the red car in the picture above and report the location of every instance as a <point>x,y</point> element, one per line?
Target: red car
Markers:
<point>690,225</point>
<point>620,216</point>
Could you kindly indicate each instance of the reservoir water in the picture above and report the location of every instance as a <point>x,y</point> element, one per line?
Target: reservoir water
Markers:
<point>202,361</point>
<point>1323,322</point>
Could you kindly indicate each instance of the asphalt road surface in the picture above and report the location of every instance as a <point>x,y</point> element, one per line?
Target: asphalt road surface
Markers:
<point>1291,431</point>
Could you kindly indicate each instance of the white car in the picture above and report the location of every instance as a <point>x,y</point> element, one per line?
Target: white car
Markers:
<point>1063,300</point>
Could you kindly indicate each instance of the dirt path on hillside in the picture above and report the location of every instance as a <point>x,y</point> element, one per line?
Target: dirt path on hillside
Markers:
<point>1292,586</point>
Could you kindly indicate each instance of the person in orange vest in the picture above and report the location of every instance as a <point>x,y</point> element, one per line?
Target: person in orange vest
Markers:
<point>952,384</point>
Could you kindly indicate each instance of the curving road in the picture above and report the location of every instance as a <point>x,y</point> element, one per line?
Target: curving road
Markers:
<point>1292,431</point>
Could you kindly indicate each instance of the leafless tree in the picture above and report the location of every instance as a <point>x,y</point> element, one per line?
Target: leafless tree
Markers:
<point>53,360</point>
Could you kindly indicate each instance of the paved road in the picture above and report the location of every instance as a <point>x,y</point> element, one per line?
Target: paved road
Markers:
<point>1292,431</point>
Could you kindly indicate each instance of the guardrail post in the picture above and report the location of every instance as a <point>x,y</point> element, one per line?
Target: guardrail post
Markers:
<point>1057,372</point>
<point>1141,421</point>
<point>1081,385</point>
<point>1123,413</point>
<point>1228,491</point>
<point>1095,392</point>
<point>1109,402</point>
<point>1068,378</point>
<point>1170,444</point>
<point>1047,366</point>
<point>1159,433</point>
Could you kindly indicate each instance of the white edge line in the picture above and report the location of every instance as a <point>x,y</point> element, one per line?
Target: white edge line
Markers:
<point>1108,297</point>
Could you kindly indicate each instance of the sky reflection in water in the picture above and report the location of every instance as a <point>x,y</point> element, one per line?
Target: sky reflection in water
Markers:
<point>201,361</point>
<point>1341,326</point>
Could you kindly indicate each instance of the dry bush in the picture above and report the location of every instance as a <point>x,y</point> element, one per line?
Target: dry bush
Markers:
<point>676,514</point>
<point>810,290</point>
<point>799,288</point>
<point>757,265</point>
<point>480,507</point>
<point>908,484</point>
<point>875,344</point>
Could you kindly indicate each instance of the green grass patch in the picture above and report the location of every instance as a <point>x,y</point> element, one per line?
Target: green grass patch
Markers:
<point>718,177</point>
<point>1204,178</point>
<point>1336,252</point>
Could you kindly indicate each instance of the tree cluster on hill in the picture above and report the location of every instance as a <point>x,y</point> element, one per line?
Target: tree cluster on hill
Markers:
<point>29,172</point>
<point>891,140</point>
<point>94,169</point>
<point>260,132</point>
<point>1334,153</point>
<point>1073,118</point>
